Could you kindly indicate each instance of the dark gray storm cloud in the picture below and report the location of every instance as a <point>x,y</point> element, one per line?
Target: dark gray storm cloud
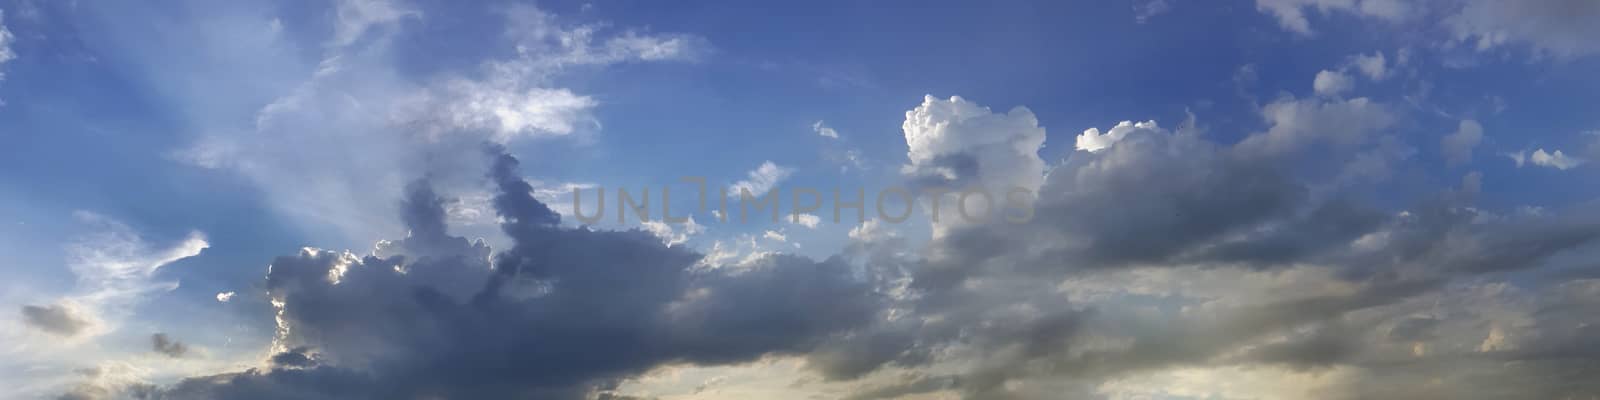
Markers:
<point>160,343</point>
<point>55,319</point>
<point>562,314</point>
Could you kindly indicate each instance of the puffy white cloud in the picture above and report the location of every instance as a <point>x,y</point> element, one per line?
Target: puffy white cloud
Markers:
<point>1556,159</point>
<point>672,236</point>
<point>823,130</point>
<point>1296,123</point>
<point>958,139</point>
<point>760,180</point>
<point>957,144</point>
<point>1332,83</point>
<point>1457,147</point>
<point>807,220</point>
<point>1375,66</point>
<point>1092,140</point>
<point>224,297</point>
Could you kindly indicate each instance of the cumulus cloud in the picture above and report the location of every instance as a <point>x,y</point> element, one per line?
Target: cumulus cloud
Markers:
<point>1375,66</point>
<point>1555,159</point>
<point>1457,147</point>
<point>673,236</point>
<point>1156,257</point>
<point>1278,279</point>
<point>1296,123</point>
<point>224,297</point>
<point>1092,140</point>
<point>1331,83</point>
<point>385,326</point>
<point>955,141</point>
<point>810,221</point>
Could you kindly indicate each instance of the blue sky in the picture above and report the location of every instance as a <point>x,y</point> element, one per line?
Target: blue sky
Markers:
<point>132,135</point>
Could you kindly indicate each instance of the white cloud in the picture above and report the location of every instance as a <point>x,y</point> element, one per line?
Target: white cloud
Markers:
<point>760,180</point>
<point>1291,14</point>
<point>510,112</point>
<point>1375,66</point>
<point>360,126</point>
<point>776,236</point>
<point>224,297</point>
<point>6,54</point>
<point>807,220</point>
<point>823,130</point>
<point>942,134</point>
<point>1332,83</point>
<point>1092,140</point>
<point>1556,159</point>
<point>115,268</point>
<point>1296,123</point>
<point>671,236</point>
<point>1457,147</point>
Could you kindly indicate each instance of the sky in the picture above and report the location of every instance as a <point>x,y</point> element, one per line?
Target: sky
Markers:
<point>375,199</point>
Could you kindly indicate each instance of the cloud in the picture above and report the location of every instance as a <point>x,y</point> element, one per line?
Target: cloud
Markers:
<point>1375,67</point>
<point>1457,147</point>
<point>1143,10</point>
<point>1560,28</point>
<point>824,130</point>
<point>956,142</point>
<point>1291,14</point>
<point>1092,140</point>
<point>58,319</point>
<point>514,333</point>
<point>810,221</point>
<point>671,236</point>
<point>1155,257</point>
<point>1549,27</point>
<point>1539,157</point>
<point>115,269</point>
<point>1556,159</point>
<point>160,343</point>
<point>354,89</point>
<point>6,53</point>
<point>1296,123</point>
<point>761,180</point>
<point>355,17</point>
<point>1332,84</point>
<point>224,297</point>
